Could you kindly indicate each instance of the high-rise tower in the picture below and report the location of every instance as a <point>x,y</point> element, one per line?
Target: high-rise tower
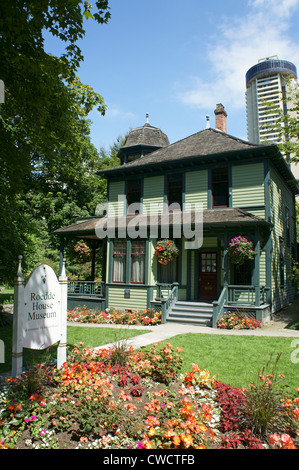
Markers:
<point>267,82</point>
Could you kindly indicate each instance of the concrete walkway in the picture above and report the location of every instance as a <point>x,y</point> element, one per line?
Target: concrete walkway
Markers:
<point>168,330</point>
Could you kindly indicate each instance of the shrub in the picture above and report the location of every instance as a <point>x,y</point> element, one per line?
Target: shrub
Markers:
<point>264,409</point>
<point>161,365</point>
<point>230,399</point>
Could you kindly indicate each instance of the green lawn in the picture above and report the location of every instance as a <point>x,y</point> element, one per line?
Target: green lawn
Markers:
<point>90,336</point>
<point>235,360</point>
<point>6,296</point>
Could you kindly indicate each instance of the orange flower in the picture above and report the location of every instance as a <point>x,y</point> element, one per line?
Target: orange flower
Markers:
<point>187,439</point>
<point>286,442</point>
<point>168,434</point>
<point>176,440</point>
<point>202,428</point>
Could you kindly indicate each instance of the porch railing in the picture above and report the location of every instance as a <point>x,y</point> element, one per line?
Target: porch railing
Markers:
<point>218,306</point>
<point>251,295</point>
<point>86,288</point>
<point>237,295</point>
<point>164,296</point>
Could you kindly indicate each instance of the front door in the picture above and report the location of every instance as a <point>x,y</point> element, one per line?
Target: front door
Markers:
<point>207,287</point>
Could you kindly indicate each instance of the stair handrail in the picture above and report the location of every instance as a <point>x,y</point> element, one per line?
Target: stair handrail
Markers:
<point>167,302</point>
<point>218,305</point>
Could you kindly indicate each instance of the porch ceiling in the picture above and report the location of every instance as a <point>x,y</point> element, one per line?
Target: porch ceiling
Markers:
<point>212,218</point>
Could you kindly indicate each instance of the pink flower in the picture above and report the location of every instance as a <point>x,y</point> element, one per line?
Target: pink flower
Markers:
<point>274,439</point>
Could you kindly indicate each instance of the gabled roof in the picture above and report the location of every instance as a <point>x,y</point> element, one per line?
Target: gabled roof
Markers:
<point>202,144</point>
<point>204,147</point>
<point>206,142</point>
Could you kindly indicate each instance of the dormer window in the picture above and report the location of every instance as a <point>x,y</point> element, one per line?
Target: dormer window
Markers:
<point>220,187</point>
<point>131,158</point>
<point>133,196</point>
<point>175,191</point>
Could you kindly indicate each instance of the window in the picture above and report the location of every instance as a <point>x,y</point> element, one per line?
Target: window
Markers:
<point>119,260</point>
<point>175,191</point>
<point>169,272</point>
<point>281,262</point>
<point>138,261</point>
<point>287,222</point>
<point>133,196</point>
<point>208,262</point>
<point>220,187</point>
<point>243,275</point>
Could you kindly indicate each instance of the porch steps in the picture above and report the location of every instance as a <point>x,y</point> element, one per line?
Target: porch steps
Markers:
<point>197,313</point>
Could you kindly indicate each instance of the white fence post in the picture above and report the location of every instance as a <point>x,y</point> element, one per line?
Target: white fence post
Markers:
<point>17,341</point>
<point>61,349</point>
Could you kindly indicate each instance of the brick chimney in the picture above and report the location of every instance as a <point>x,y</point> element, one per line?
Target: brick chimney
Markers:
<point>220,117</point>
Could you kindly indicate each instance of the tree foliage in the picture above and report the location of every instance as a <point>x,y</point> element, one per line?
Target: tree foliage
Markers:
<point>286,125</point>
<point>46,156</point>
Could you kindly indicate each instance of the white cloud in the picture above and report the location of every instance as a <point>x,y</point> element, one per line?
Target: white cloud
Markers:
<point>239,44</point>
<point>281,8</point>
<point>113,111</point>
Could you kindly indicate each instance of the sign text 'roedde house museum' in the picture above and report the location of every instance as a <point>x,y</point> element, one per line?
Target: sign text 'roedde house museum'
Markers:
<point>40,310</point>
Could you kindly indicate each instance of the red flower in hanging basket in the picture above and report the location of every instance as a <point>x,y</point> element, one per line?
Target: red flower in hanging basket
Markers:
<point>82,251</point>
<point>166,251</point>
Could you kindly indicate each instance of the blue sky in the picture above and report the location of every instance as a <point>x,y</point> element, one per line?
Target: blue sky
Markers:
<point>176,60</point>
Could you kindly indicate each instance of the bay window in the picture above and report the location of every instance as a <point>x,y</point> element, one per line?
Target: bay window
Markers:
<point>119,260</point>
<point>129,261</point>
<point>138,261</point>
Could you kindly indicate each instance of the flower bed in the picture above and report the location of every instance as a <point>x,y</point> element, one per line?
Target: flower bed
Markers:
<point>117,398</point>
<point>125,317</point>
<point>238,321</point>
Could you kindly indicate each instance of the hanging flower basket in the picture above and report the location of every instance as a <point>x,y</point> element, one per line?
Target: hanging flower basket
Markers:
<point>240,249</point>
<point>83,252</point>
<point>166,251</point>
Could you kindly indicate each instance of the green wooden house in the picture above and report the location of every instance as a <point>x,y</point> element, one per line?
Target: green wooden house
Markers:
<point>227,188</point>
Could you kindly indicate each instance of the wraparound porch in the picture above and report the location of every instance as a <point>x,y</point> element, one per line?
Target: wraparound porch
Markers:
<point>204,275</point>
<point>164,298</point>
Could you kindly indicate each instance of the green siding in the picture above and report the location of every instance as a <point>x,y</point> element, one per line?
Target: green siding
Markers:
<point>263,278</point>
<point>248,185</point>
<point>182,294</point>
<point>153,194</point>
<point>280,198</point>
<point>197,188</point>
<point>192,275</point>
<point>116,189</point>
<point>153,264</point>
<point>137,300</point>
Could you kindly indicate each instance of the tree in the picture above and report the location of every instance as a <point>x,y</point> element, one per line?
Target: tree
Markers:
<point>44,127</point>
<point>286,125</point>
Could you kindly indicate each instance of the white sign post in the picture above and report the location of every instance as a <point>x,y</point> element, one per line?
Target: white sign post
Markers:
<point>40,313</point>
